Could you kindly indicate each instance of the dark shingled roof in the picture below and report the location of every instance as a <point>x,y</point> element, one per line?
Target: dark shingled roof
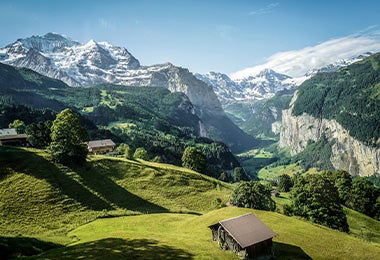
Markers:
<point>247,230</point>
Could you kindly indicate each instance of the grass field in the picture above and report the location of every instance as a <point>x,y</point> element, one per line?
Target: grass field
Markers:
<point>45,200</point>
<point>183,236</point>
<point>121,209</point>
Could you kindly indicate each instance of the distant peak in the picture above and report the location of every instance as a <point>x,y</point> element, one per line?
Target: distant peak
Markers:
<point>52,35</point>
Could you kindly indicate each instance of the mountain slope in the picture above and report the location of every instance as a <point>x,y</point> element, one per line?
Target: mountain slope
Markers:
<point>262,85</point>
<point>50,202</point>
<point>42,199</point>
<point>96,63</point>
<point>343,107</point>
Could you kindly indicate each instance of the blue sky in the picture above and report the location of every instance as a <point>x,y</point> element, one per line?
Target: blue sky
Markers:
<point>216,35</point>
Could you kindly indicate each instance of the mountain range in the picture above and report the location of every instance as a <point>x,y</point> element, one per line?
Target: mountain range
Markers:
<point>255,85</point>
<point>80,65</point>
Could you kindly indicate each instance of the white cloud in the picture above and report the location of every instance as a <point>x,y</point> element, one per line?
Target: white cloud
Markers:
<point>297,62</point>
<point>265,10</point>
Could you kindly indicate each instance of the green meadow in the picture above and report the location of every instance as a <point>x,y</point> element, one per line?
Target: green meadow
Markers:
<point>123,209</point>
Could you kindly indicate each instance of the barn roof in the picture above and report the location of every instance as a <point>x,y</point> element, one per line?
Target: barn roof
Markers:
<point>100,143</point>
<point>247,230</point>
<point>8,131</point>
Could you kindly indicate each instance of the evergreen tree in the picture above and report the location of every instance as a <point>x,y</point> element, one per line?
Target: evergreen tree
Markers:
<point>68,138</point>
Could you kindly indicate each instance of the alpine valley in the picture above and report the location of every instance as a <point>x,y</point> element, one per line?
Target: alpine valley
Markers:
<point>253,134</point>
<point>80,65</point>
<point>96,73</point>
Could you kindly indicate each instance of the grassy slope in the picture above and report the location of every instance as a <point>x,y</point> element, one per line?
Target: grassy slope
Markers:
<point>174,236</point>
<point>44,200</point>
<point>361,226</point>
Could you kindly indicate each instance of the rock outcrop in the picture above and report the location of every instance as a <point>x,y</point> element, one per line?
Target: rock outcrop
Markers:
<point>347,153</point>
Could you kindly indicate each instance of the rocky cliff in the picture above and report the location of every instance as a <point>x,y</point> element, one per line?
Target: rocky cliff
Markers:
<point>347,153</point>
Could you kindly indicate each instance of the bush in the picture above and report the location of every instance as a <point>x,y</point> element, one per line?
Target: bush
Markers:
<point>125,151</point>
<point>141,153</point>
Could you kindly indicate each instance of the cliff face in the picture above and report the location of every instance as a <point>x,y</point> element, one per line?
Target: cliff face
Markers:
<point>347,153</point>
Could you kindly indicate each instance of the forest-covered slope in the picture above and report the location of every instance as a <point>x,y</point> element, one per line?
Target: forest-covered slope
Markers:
<point>162,122</point>
<point>351,96</point>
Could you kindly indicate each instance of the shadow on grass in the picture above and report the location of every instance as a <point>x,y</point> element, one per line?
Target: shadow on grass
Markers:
<point>113,193</point>
<point>14,247</point>
<point>93,190</point>
<point>286,251</point>
<point>117,248</point>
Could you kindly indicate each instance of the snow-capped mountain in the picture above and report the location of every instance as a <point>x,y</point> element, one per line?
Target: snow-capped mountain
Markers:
<point>263,84</point>
<point>225,88</point>
<point>337,65</point>
<point>77,64</point>
<point>260,86</point>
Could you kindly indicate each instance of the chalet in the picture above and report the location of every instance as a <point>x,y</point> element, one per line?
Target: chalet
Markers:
<point>101,146</point>
<point>9,136</point>
<point>245,235</point>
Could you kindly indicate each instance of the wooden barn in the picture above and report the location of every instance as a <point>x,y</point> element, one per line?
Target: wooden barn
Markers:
<point>101,146</point>
<point>9,136</point>
<point>245,235</point>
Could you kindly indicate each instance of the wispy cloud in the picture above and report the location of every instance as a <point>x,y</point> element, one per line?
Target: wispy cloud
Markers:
<point>265,10</point>
<point>106,24</point>
<point>297,62</point>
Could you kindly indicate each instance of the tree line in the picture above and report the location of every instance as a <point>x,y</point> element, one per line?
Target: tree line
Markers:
<point>318,198</point>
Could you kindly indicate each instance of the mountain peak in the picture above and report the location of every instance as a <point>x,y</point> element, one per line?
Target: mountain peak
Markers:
<point>92,43</point>
<point>50,42</point>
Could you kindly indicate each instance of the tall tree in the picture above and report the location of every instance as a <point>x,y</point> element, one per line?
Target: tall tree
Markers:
<point>254,195</point>
<point>193,159</point>
<point>364,197</point>
<point>239,175</point>
<point>18,125</point>
<point>39,134</point>
<point>285,183</point>
<point>315,198</point>
<point>68,138</point>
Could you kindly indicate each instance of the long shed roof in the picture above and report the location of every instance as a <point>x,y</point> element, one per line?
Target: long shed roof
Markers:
<point>100,143</point>
<point>247,229</point>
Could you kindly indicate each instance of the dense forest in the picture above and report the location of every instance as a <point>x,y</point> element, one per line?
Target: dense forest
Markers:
<point>350,96</point>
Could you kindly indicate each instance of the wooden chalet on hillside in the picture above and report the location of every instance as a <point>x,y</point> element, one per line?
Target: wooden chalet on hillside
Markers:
<point>101,146</point>
<point>9,136</point>
<point>245,235</point>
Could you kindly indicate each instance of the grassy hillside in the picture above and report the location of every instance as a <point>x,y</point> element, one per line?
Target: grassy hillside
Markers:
<point>119,209</point>
<point>173,236</point>
<point>41,199</point>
